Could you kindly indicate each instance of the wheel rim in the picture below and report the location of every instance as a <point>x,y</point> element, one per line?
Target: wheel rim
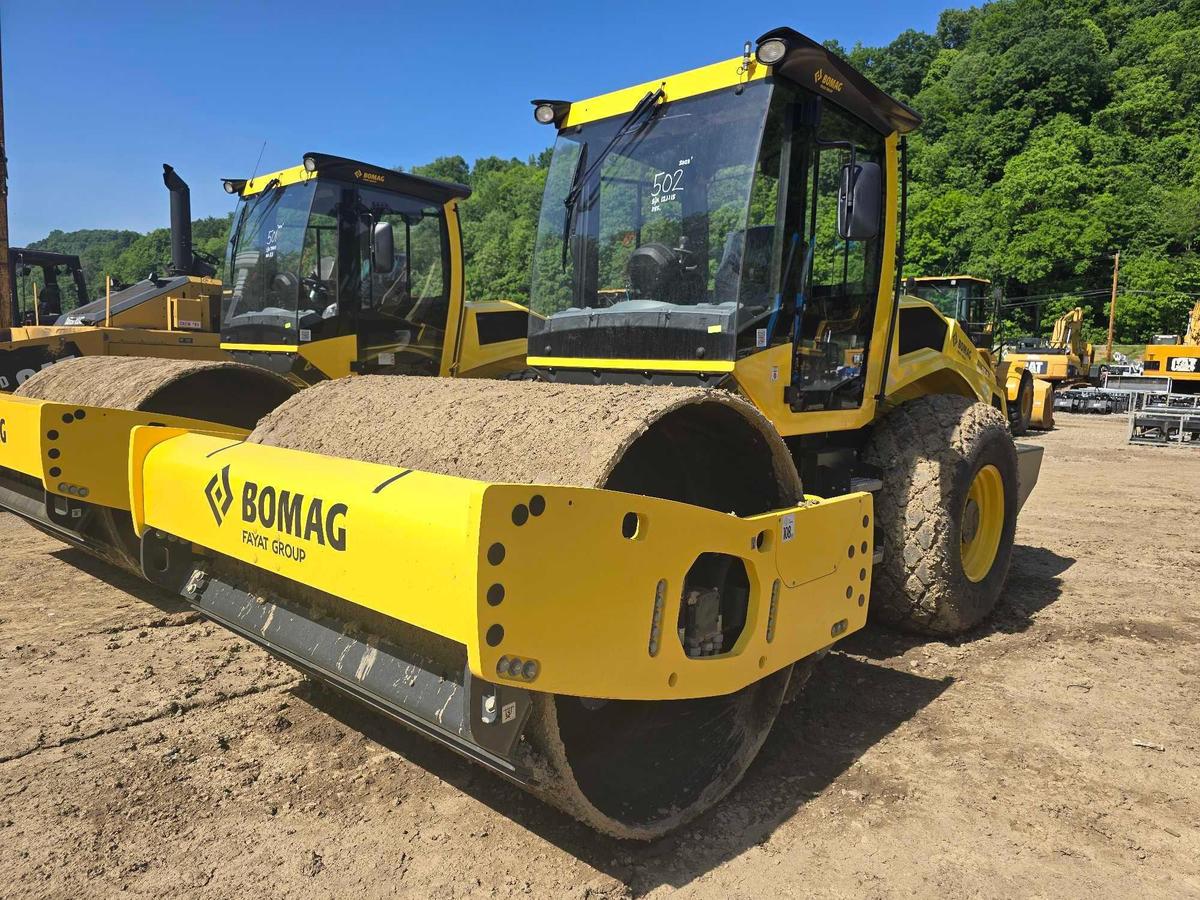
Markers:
<point>1027,403</point>
<point>982,523</point>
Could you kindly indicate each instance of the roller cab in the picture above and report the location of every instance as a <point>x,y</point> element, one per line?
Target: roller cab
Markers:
<point>337,267</point>
<point>964,301</point>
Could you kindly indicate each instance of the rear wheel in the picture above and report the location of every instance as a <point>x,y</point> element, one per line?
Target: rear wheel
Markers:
<point>947,510</point>
<point>1020,411</point>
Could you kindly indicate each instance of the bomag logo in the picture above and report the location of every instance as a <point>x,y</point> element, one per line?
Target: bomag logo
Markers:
<point>219,495</point>
<point>372,177</point>
<point>964,349</point>
<point>267,508</point>
<point>828,82</point>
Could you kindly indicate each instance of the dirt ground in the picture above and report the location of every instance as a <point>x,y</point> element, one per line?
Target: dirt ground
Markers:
<point>1052,752</point>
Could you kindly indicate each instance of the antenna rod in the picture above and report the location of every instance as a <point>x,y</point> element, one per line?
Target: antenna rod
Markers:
<point>7,301</point>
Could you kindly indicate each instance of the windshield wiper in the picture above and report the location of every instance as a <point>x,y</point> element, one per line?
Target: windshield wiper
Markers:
<point>581,176</point>
<point>569,202</point>
<point>237,234</point>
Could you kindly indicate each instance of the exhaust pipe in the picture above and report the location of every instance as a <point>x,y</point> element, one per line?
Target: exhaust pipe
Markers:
<point>183,259</point>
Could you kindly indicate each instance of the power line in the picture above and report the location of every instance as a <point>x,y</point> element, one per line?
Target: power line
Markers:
<point>1040,299</point>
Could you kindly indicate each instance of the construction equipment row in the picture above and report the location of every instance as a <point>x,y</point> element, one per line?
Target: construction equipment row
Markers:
<point>733,436</point>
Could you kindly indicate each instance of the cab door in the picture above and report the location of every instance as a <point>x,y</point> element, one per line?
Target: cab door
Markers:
<point>405,288</point>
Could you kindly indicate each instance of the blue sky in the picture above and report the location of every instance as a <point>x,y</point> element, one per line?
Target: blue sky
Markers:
<point>98,96</point>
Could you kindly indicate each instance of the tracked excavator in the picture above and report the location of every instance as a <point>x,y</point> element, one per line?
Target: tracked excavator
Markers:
<point>1065,359</point>
<point>334,267</point>
<point>601,580</point>
<point>1180,360</point>
<point>965,298</point>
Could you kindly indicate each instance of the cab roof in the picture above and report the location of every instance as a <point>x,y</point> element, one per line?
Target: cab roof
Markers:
<point>806,63</point>
<point>339,168</point>
<point>814,66</point>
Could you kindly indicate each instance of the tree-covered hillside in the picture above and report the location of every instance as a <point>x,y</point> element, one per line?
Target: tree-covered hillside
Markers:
<point>1055,134</point>
<point>128,256</point>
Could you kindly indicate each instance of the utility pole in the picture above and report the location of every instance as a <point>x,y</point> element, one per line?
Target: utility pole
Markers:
<point>1112,305</point>
<point>6,300</point>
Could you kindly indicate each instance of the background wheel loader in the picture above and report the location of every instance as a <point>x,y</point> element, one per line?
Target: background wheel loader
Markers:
<point>40,282</point>
<point>966,298</point>
<point>603,580</point>
<point>310,293</point>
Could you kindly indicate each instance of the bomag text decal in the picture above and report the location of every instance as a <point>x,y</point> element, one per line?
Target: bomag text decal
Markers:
<point>270,515</point>
<point>310,519</point>
<point>824,80</point>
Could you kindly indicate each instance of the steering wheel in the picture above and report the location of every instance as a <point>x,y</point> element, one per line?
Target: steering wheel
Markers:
<point>316,288</point>
<point>284,283</point>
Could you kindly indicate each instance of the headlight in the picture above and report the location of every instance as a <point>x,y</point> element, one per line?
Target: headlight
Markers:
<point>771,51</point>
<point>544,113</point>
<point>230,187</point>
<point>310,164</point>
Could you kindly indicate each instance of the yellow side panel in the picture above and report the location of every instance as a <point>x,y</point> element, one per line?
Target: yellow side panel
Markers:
<point>332,356</point>
<point>80,451</point>
<point>21,436</point>
<point>168,344</point>
<point>579,597</point>
<point>402,543</point>
<point>492,360</point>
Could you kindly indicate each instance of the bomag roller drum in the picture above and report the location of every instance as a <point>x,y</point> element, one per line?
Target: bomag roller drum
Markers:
<point>224,393</point>
<point>632,769</point>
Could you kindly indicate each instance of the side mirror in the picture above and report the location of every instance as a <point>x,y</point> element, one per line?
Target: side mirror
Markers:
<point>383,248</point>
<point>859,201</point>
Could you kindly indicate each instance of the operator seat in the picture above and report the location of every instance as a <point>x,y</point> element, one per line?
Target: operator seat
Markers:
<point>746,262</point>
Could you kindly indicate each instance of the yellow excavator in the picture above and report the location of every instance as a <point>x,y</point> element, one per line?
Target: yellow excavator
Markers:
<point>1178,360</point>
<point>1064,360</point>
<point>603,579</point>
<point>966,298</point>
<point>310,294</point>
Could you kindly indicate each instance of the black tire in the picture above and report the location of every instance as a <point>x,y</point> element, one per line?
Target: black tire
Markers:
<point>928,452</point>
<point>1020,413</point>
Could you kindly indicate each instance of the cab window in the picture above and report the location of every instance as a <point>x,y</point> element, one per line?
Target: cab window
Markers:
<point>405,305</point>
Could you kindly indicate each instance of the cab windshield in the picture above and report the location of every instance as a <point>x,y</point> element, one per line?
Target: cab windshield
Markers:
<point>654,242</point>
<point>963,299</point>
<point>303,266</point>
<point>263,265</point>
